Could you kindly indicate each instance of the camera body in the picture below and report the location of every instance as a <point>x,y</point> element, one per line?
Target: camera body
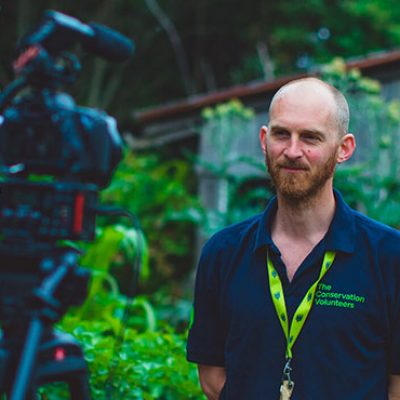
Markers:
<point>48,211</point>
<point>47,134</point>
<point>55,154</point>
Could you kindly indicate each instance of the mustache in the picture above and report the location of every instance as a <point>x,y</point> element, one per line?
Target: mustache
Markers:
<point>293,164</point>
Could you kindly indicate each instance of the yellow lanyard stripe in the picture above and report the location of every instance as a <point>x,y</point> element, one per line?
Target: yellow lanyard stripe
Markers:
<point>302,311</point>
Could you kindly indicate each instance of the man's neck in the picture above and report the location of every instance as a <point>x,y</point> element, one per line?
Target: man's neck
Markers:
<point>299,226</point>
<point>305,220</point>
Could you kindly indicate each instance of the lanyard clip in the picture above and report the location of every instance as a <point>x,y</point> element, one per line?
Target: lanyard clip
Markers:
<point>287,369</point>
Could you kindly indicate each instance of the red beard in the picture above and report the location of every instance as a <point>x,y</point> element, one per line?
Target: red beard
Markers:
<point>302,185</point>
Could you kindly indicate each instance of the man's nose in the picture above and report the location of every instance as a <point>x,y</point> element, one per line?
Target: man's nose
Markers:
<point>293,149</point>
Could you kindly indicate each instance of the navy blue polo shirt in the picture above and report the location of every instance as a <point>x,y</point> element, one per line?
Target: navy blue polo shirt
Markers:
<point>350,341</point>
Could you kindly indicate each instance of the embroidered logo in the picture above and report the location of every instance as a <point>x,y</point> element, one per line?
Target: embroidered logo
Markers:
<point>325,296</point>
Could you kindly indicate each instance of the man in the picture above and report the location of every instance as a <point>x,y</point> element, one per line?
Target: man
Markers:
<point>303,301</point>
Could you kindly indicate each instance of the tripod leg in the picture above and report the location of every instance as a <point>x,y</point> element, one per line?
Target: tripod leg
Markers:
<point>4,368</point>
<point>79,387</point>
<point>33,395</point>
<point>23,377</point>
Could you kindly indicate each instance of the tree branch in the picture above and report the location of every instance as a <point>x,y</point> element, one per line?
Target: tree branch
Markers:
<point>176,42</point>
<point>98,74</point>
<point>24,15</point>
<point>112,86</point>
<point>265,60</point>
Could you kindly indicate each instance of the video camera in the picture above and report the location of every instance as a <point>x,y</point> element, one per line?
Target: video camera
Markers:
<point>44,132</point>
<point>54,157</point>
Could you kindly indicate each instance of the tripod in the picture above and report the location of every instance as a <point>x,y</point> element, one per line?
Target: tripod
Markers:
<point>32,353</point>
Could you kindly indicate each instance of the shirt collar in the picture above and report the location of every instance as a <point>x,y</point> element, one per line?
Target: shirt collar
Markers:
<point>263,233</point>
<point>342,232</point>
<point>340,235</point>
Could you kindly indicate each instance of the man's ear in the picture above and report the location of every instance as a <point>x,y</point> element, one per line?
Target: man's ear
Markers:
<point>263,138</point>
<point>346,148</point>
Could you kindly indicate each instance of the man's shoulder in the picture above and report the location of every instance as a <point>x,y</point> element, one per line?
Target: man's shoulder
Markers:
<point>365,222</point>
<point>357,224</point>
<point>378,231</point>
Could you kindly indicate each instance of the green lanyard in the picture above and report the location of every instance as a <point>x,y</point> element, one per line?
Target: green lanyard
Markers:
<point>304,308</point>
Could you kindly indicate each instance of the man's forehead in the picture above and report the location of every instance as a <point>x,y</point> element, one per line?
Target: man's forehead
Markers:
<point>305,107</point>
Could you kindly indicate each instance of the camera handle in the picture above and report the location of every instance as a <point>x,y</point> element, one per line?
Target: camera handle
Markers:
<point>49,310</point>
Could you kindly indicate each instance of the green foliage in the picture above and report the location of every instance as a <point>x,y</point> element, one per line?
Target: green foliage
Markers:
<point>229,110</point>
<point>148,364</point>
<point>131,351</point>
<point>160,193</point>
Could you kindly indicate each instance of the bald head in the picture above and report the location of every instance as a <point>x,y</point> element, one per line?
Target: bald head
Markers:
<point>322,90</point>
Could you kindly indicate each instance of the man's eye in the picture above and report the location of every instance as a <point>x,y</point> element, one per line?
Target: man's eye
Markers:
<point>281,133</point>
<point>311,138</point>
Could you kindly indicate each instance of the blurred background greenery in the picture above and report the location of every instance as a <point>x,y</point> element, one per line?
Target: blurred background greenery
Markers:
<point>182,49</point>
